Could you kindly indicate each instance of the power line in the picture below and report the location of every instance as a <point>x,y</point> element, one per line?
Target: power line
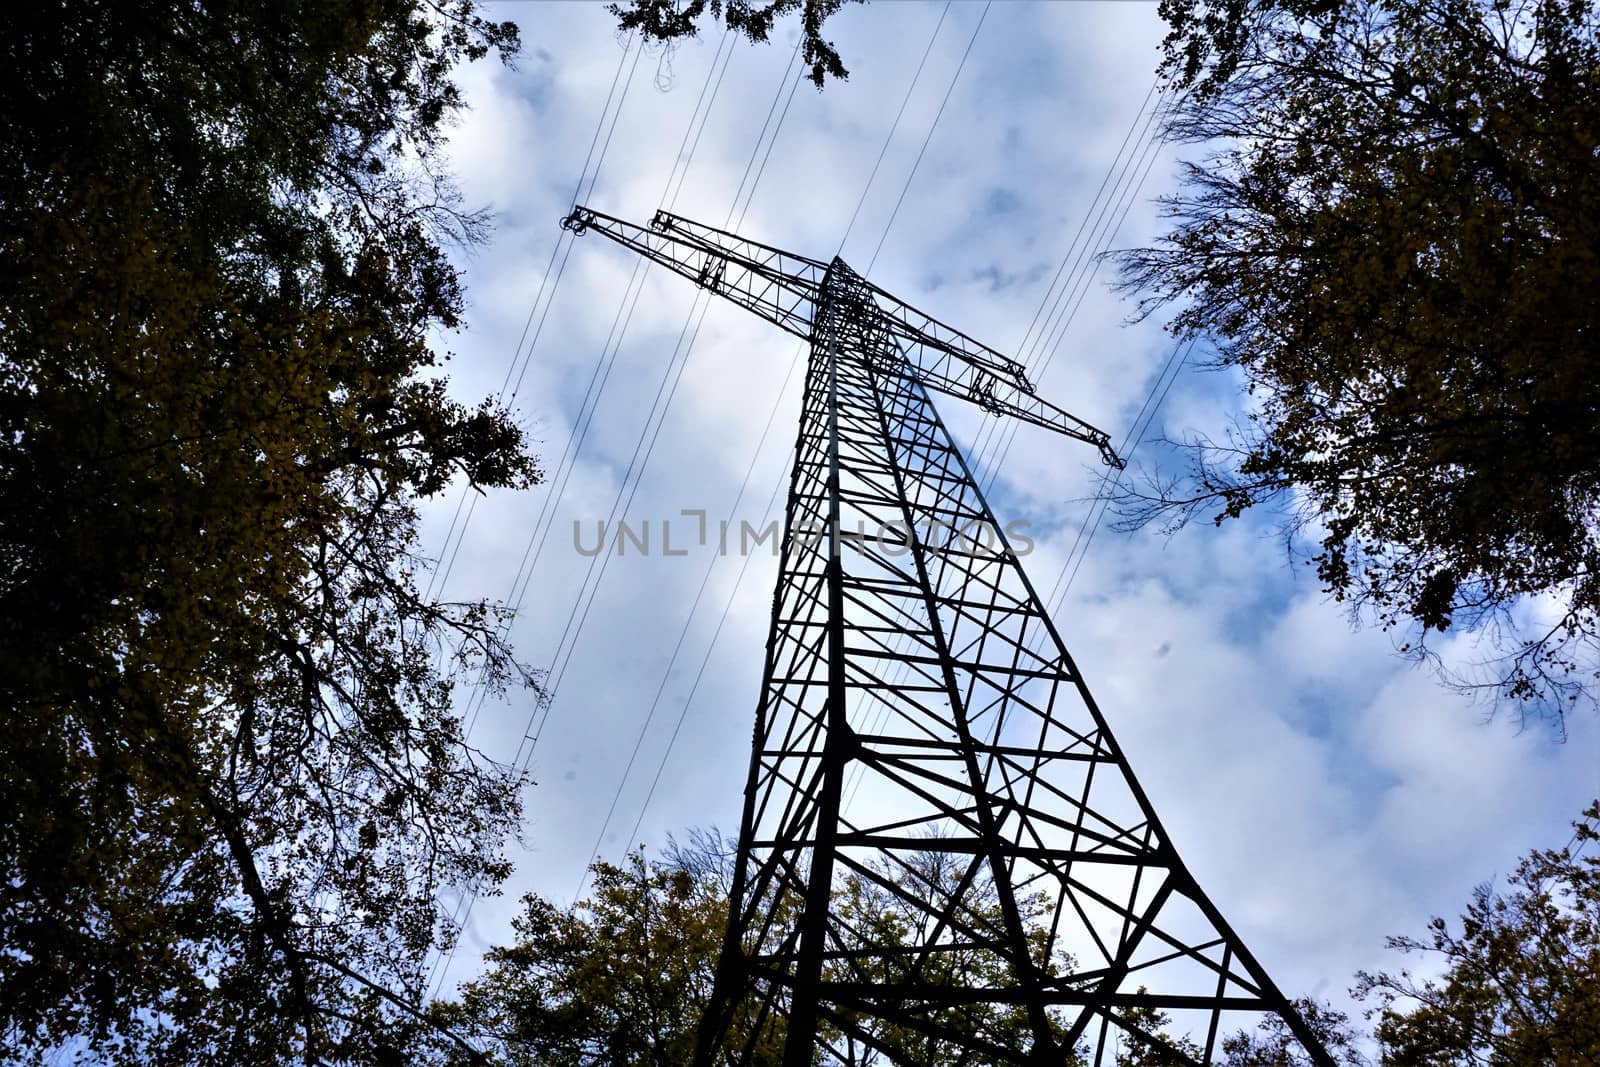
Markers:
<point>596,389</point>
<point>733,511</point>
<point>1110,480</point>
<point>929,138</point>
<point>1027,348</point>
<point>733,592</point>
<point>893,126</point>
<point>674,373</point>
<point>448,555</point>
<point>694,688</point>
<point>1124,191</point>
<point>683,634</point>
<point>1072,243</point>
<point>544,521</point>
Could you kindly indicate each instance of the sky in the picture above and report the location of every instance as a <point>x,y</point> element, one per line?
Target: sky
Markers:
<point>1323,791</point>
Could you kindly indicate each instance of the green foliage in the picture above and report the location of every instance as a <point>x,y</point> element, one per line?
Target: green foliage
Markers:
<point>1207,39</point>
<point>1272,1044</point>
<point>232,778</point>
<point>1521,976</point>
<point>620,978</point>
<point>668,20</point>
<point>624,976</point>
<point>1391,237</point>
<point>1149,1043</point>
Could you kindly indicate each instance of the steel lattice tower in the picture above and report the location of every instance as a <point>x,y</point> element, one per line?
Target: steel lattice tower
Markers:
<point>911,659</point>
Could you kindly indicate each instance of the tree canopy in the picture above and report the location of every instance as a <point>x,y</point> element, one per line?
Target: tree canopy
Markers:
<point>1520,976</point>
<point>623,976</point>
<point>1389,235</point>
<point>619,978</point>
<point>232,779</point>
<point>668,20</point>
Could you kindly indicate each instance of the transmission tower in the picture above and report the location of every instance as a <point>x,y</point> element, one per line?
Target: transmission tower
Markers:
<point>923,735</point>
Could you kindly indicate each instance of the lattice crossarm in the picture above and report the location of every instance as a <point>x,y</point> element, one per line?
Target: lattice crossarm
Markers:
<point>737,247</point>
<point>915,327</point>
<point>996,396</point>
<point>779,286</point>
<point>905,342</point>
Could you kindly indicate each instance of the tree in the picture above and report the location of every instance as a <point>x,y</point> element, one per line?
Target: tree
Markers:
<point>1206,39</point>
<point>1389,236</point>
<point>1272,1045</point>
<point>232,779</point>
<point>667,20</point>
<point>622,977</point>
<point>1521,977</point>
<point>619,978</point>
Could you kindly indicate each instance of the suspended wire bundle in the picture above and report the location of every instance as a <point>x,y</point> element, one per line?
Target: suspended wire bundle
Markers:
<point>650,432</point>
<point>782,478</point>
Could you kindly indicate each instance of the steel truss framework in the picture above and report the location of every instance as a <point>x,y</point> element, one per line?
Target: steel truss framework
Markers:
<point>923,734</point>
